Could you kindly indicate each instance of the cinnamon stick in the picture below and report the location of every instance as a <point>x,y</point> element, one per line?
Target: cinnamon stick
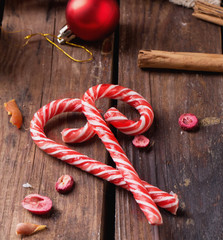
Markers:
<point>180,60</point>
<point>208,12</point>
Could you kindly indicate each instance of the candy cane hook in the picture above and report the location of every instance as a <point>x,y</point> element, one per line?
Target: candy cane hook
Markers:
<point>123,164</point>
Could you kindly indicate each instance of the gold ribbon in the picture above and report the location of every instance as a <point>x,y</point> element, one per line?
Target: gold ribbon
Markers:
<point>45,35</point>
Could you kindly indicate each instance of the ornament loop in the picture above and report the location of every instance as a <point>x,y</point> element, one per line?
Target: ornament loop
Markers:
<point>45,35</point>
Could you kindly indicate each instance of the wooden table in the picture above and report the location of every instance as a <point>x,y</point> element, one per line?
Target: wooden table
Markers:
<point>190,164</point>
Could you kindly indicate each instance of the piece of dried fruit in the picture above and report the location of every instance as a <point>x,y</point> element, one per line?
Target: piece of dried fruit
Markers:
<point>188,121</point>
<point>140,141</point>
<point>64,184</point>
<point>28,228</point>
<point>12,109</point>
<point>37,204</point>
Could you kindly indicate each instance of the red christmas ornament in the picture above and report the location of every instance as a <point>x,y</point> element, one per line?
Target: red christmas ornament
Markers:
<point>92,20</point>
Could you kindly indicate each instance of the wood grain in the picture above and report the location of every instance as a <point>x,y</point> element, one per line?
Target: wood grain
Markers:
<point>35,75</point>
<point>190,164</point>
<point>187,163</point>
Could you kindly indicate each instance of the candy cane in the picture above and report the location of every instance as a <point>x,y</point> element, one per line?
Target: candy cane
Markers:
<point>75,135</point>
<point>117,119</point>
<point>118,155</point>
<point>161,198</point>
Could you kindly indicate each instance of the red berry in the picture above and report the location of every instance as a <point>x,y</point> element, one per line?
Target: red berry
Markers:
<point>140,141</point>
<point>64,184</point>
<point>188,121</point>
<point>37,204</point>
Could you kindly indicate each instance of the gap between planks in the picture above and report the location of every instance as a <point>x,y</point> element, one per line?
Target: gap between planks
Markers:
<point>110,196</point>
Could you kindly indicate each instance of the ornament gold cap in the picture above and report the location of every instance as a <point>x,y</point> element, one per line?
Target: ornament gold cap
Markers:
<point>65,35</point>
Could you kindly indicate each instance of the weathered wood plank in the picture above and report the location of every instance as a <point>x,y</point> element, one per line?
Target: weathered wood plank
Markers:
<point>189,163</point>
<point>35,75</point>
<point>22,77</point>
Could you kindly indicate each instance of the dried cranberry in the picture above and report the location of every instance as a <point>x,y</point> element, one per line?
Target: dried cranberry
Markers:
<point>37,204</point>
<point>64,184</point>
<point>188,121</point>
<point>140,141</point>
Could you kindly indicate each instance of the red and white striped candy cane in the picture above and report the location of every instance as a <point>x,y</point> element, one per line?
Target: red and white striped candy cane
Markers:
<point>77,135</point>
<point>117,119</point>
<point>116,152</point>
<point>161,198</point>
<point>130,127</point>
